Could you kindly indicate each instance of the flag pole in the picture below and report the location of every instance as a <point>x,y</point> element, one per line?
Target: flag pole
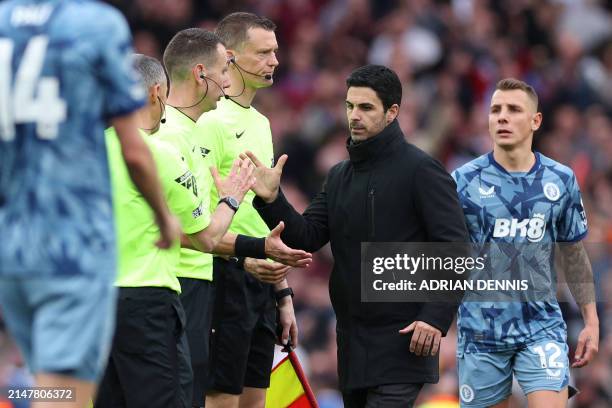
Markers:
<point>295,362</point>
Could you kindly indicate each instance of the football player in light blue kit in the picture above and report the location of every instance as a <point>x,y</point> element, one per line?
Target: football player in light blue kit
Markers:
<point>526,201</point>
<point>65,66</point>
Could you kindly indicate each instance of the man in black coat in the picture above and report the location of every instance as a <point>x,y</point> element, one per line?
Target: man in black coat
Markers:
<point>388,191</point>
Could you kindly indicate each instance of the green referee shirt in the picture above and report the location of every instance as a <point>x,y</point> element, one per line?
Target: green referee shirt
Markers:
<point>141,263</point>
<point>178,132</point>
<point>226,132</point>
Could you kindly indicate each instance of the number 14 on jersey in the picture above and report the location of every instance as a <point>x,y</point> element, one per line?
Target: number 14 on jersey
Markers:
<point>30,98</point>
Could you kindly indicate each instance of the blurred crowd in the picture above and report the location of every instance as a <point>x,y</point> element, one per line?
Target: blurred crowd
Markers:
<point>449,54</point>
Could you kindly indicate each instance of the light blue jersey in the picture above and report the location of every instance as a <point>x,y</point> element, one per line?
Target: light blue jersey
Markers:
<point>65,67</point>
<point>527,210</point>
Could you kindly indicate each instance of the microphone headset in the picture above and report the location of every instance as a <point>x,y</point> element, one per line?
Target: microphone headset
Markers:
<point>163,111</point>
<point>162,116</point>
<point>233,61</point>
<point>226,96</point>
<point>204,77</point>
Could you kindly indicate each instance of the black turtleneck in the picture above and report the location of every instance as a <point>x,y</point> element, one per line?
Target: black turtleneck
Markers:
<point>375,148</point>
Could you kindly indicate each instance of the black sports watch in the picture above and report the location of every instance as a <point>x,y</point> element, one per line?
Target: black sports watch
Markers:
<point>231,202</point>
<point>282,293</point>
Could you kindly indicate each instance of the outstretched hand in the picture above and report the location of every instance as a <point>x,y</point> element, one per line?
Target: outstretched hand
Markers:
<point>267,179</point>
<point>277,250</point>
<point>238,182</point>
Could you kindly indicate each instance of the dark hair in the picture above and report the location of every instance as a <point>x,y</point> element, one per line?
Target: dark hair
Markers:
<point>381,79</point>
<point>233,28</point>
<point>187,48</point>
<point>150,69</point>
<point>510,84</point>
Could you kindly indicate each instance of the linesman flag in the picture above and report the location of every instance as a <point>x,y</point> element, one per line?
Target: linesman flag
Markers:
<point>289,387</point>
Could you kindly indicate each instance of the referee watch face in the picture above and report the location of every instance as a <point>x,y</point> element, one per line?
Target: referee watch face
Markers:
<point>365,113</point>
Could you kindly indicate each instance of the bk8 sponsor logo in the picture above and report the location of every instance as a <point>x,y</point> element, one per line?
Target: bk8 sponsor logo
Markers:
<point>532,228</point>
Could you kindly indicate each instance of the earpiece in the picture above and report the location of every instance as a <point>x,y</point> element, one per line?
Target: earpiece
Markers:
<point>204,77</point>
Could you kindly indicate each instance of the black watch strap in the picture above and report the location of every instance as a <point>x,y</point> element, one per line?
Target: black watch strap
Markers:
<point>282,293</point>
<point>238,260</point>
<point>231,202</point>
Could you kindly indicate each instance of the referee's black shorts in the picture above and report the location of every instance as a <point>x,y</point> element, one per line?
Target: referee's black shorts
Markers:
<point>197,297</point>
<point>244,326</point>
<point>149,361</point>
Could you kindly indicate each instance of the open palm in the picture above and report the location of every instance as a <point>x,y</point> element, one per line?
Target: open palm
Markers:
<point>267,179</point>
<point>238,182</point>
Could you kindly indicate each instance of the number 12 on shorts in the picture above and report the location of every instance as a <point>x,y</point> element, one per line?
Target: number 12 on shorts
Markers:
<point>32,99</point>
<point>552,359</point>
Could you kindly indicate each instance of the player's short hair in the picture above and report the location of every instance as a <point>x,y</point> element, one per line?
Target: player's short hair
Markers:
<point>150,69</point>
<point>384,81</point>
<point>510,84</point>
<point>187,48</point>
<point>233,28</point>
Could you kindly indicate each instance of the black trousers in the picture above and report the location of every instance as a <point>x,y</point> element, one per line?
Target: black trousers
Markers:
<point>149,365</point>
<point>244,327</point>
<point>197,298</point>
<point>382,396</point>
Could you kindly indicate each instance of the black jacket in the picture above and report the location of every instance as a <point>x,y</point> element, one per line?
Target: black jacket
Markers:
<point>389,191</point>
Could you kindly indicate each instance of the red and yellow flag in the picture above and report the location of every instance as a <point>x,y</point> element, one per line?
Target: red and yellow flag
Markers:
<point>289,386</point>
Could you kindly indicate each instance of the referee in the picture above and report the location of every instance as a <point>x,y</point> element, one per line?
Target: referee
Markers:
<point>244,317</point>
<point>150,356</point>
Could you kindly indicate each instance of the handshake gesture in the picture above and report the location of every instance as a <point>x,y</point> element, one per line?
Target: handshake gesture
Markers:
<point>283,259</point>
<point>267,180</point>
<point>249,173</point>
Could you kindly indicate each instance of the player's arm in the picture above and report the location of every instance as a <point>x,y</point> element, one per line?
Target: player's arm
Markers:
<point>576,266</point>
<point>143,172</point>
<point>579,276</point>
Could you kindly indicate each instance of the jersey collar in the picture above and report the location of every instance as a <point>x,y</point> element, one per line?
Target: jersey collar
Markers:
<point>534,168</point>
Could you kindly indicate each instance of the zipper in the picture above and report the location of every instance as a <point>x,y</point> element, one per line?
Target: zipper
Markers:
<point>371,195</point>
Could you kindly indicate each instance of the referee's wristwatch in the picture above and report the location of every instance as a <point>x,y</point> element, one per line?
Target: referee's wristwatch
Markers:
<point>231,202</point>
<point>282,293</point>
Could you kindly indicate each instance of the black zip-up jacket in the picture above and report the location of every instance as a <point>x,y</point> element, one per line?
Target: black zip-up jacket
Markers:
<point>389,191</point>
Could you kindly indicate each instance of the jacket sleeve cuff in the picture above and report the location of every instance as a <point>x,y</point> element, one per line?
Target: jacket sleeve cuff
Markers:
<point>272,212</point>
<point>438,315</point>
<point>260,204</point>
<point>262,207</point>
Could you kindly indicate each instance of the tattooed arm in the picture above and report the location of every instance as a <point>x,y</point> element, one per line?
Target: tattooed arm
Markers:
<point>579,276</point>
